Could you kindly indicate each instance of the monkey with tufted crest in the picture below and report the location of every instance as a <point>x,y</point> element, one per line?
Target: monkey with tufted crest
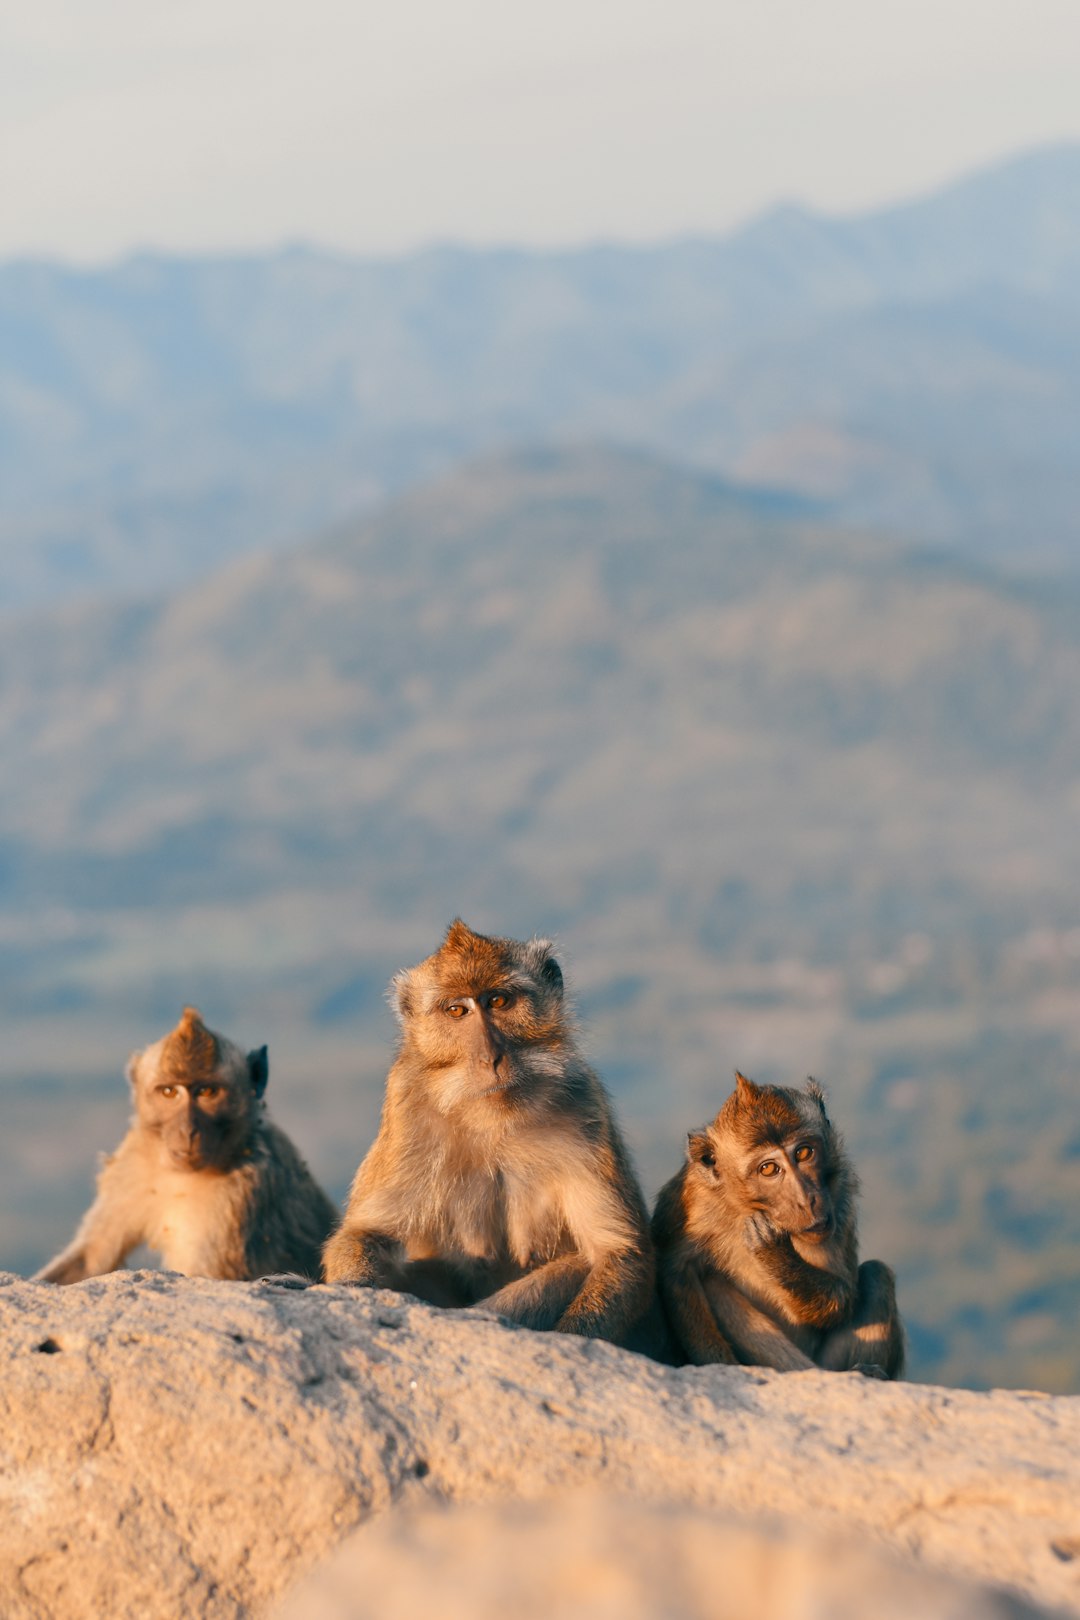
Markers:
<point>757,1248</point>
<point>202,1175</point>
<point>498,1175</point>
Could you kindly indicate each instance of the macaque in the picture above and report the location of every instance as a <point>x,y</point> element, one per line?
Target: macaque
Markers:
<point>498,1176</point>
<point>757,1251</point>
<point>202,1175</point>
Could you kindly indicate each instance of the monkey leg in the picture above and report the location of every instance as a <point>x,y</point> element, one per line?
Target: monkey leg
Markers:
<point>692,1319</point>
<point>873,1340</point>
<point>439,1282</point>
<point>651,1335</point>
<point>541,1297</point>
<point>757,1340</point>
<point>613,1297</point>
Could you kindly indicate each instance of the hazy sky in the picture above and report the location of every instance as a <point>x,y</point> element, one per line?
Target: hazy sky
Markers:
<point>220,124</point>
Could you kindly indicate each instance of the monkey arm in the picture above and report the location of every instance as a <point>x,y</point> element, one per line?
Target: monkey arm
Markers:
<point>823,1298</point>
<point>874,1338</point>
<point>366,1259</point>
<point>569,1295</point>
<point>112,1226</point>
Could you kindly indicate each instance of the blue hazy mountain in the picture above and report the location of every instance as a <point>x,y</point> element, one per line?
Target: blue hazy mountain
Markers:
<point>916,370</point>
<point>788,796</point>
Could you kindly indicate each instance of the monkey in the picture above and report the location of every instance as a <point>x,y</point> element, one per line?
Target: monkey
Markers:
<point>202,1175</point>
<point>498,1175</point>
<point>757,1247</point>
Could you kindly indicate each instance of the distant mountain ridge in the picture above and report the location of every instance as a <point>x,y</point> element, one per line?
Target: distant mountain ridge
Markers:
<point>916,370</point>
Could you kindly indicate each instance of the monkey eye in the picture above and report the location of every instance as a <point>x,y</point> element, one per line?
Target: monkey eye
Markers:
<point>458,1010</point>
<point>803,1153</point>
<point>769,1168</point>
<point>499,1000</point>
<point>209,1092</point>
<point>167,1091</point>
<point>708,1160</point>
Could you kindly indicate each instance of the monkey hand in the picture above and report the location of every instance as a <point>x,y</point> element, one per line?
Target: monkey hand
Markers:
<point>870,1369</point>
<point>760,1233</point>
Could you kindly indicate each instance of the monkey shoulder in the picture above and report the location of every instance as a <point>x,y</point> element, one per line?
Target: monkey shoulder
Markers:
<point>130,1168</point>
<point>669,1215</point>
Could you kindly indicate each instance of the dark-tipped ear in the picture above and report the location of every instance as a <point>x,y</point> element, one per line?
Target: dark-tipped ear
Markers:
<point>699,1150</point>
<point>813,1089</point>
<point>259,1070</point>
<point>745,1090</point>
<point>551,974</point>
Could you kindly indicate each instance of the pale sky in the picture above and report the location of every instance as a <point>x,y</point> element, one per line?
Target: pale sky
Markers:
<point>211,125</point>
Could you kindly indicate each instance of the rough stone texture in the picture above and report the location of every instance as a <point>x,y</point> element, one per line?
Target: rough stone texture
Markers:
<point>613,1558</point>
<point>173,1446</point>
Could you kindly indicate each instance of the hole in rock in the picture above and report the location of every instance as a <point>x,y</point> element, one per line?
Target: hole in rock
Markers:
<point>48,1347</point>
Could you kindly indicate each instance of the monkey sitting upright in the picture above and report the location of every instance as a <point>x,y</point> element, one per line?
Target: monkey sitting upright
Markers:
<point>498,1175</point>
<point>756,1243</point>
<point>202,1175</point>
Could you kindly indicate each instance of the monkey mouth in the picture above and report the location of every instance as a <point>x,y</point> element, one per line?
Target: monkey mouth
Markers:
<point>817,1231</point>
<point>500,1087</point>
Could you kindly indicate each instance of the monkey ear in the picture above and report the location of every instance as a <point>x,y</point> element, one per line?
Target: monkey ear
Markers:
<point>818,1093</point>
<point>400,996</point>
<point>259,1070</point>
<point>131,1069</point>
<point>699,1150</point>
<point>551,973</point>
<point>539,960</point>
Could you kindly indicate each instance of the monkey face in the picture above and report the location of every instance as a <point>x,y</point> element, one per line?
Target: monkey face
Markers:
<point>201,1125</point>
<point>768,1154</point>
<point>198,1095</point>
<point>787,1185</point>
<point>485,1018</point>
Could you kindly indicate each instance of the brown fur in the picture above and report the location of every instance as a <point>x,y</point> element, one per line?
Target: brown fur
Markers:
<point>757,1248</point>
<point>498,1175</point>
<point>202,1175</point>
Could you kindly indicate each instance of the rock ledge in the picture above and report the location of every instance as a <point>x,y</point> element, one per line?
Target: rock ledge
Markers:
<point>178,1446</point>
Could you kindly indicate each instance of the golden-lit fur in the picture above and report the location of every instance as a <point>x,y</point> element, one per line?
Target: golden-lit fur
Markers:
<point>202,1175</point>
<point>498,1174</point>
<point>757,1247</point>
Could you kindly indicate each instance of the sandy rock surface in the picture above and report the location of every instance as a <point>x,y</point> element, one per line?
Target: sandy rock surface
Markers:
<point>618,1558</point>
<point>173,1446</point>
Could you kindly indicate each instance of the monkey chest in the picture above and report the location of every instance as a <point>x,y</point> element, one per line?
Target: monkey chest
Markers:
<point>503,1223</point>
<point>194,1224</point>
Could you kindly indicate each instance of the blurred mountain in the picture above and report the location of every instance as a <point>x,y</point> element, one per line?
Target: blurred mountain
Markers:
<point>789,797</point>
<point>917,370</point>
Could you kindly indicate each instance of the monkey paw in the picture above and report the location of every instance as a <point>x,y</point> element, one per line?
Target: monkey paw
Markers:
<point>870,1369</point>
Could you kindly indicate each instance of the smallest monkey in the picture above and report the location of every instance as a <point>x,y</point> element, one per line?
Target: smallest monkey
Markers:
<point>202,1175</point>
<point>757,1249</point>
